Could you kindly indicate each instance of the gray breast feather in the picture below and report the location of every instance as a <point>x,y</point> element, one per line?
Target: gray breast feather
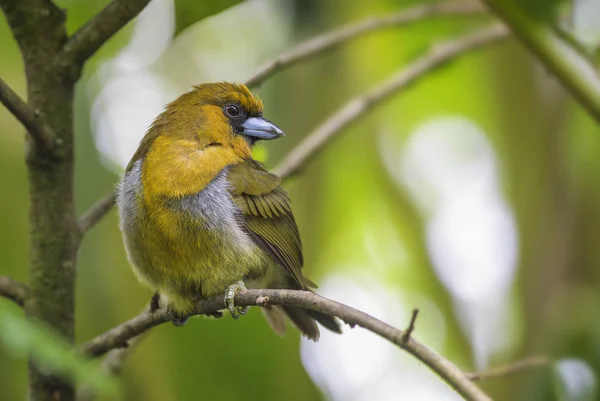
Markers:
<point>212,208</point>
<point>128,191</point>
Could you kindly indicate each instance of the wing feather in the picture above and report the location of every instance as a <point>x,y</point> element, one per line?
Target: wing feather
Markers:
<point>267,215</point>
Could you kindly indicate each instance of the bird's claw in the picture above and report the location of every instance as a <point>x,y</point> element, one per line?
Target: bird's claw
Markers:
<point>178,319</point>
<point>235,311</point>
<point>216,314</point>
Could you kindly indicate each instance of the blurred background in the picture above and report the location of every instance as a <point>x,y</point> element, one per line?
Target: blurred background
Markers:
<point>473,195</point>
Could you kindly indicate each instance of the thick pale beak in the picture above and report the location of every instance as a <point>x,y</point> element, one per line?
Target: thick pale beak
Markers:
<point>260,128</point>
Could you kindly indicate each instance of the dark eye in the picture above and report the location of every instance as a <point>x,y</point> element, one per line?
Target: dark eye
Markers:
<point>232,110</point>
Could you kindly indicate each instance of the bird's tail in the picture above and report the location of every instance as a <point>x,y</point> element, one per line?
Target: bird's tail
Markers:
<point>304,319</point>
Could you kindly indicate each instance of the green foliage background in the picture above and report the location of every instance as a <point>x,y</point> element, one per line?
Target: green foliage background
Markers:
<point>550,158</point>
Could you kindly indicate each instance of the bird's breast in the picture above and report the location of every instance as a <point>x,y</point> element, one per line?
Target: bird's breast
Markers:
<point>195,241</point>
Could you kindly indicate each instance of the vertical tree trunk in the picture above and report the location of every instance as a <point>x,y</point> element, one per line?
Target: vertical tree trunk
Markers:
<point>38,26</point>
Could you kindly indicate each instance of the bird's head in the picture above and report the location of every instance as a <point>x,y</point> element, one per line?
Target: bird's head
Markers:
<point>229,113</point>
<point>212,126</point>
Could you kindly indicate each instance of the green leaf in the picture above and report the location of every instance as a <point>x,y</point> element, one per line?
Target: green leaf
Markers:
<point>22,337</point>
<point>188,12</point>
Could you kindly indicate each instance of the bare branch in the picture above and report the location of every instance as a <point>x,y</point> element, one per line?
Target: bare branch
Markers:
<point>40,133</point>
<point>359,106</point>
<point>13,290</point>
<point>505,370</point>
<point>89,38</point>
<point>96,212</point>
<point>119,335</point>
<point>411,326</point>
<point>319,44</point>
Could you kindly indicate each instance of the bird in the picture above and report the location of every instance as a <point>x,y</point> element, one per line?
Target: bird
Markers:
<point>200,217</point>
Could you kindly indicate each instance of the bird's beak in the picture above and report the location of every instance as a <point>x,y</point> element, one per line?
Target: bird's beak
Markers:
<point>259,128</point>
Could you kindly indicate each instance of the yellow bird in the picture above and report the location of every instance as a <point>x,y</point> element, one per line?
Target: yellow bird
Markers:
<point>200,217</point>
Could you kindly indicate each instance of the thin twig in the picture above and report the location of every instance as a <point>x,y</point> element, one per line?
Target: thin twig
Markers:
<point>89,38</point>
<point>13,290</point>
<point>411,326</point>
<point>321,43</point>
<point>95,213</point>
<point>40,133</point>
<point>359,106</point>
<point>505,370</point>
<point>119,335</point>
<point>572,70</point>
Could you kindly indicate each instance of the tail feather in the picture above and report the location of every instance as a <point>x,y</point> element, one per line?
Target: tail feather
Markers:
<point>275,317</point>
<point>326,321</point>
<point>303,321</point>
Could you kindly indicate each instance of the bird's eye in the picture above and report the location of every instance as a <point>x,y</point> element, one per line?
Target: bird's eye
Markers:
<point>232,110</point>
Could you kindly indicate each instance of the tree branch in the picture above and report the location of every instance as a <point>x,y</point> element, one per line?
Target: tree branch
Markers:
<point>118,336</point>
<point>353,110</point>
<point>359,106</point>
<point>321,43</point>
<point>411,326</point>
<point>505,370</point>
<point>13,290</point>
<point>573,70</point>
<point>95,213</point>
<point>40,133</point>
<point>89,38</point>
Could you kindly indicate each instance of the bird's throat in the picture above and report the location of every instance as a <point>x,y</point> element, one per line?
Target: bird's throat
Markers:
<point>175,169</point>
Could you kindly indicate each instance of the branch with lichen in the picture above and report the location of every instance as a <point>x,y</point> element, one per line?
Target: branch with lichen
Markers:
<point>26,115</point>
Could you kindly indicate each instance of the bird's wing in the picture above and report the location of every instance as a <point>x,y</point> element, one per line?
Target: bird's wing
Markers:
<point>267,215</point>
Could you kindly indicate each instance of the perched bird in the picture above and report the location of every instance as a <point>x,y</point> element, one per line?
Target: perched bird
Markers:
<point>200,217</point>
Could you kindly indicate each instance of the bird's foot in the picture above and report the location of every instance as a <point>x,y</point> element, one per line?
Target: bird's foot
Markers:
<point>216,314</point>
<point>178,319</point>
<point>235,311</point>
